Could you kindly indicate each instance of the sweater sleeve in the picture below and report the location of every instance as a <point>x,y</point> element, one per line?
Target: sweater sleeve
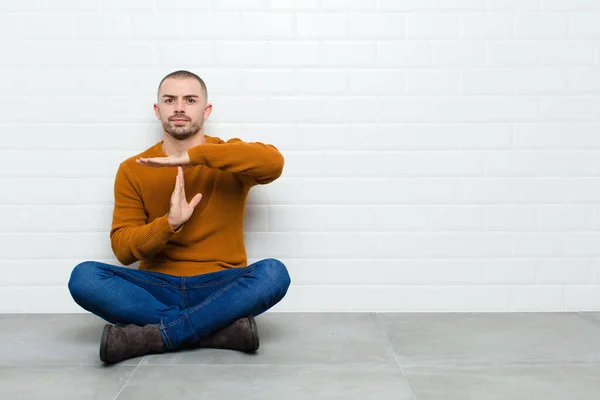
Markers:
<point>256,162</point>
<point>132,238</point>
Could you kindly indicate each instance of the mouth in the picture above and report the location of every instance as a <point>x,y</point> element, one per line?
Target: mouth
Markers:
<point>179,121</point>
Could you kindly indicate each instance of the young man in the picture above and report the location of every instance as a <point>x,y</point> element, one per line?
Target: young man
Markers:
<point>193,287</point>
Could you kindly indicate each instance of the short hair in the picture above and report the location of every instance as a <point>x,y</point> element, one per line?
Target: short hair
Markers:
<point>181,74</point>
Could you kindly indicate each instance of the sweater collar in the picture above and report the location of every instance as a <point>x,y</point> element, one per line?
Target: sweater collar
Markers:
<point>161,153</point>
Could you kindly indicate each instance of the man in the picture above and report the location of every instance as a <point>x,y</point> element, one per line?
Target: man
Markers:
<point>193,287</point>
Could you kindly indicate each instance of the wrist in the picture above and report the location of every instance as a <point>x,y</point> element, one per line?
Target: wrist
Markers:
<point>174,225</point>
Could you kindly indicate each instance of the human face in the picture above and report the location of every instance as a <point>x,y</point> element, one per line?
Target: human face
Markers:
<point>181,107</point>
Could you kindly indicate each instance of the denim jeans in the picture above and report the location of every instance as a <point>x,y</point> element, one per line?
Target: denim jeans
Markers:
<point>185,308</point>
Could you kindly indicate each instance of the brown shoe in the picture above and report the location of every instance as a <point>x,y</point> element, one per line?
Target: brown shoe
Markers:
<point>119,344</point>
<point>241,335</point>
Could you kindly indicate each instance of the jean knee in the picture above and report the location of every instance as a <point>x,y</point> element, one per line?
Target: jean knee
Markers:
<point>277,272</point>
<point>81,276</point>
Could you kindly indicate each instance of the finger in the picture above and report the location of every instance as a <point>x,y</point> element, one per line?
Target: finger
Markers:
<point>196,200</point>
<point>182,181</point>
<point>149,163</point>
<point>155,161</point>
<point>177,183</point>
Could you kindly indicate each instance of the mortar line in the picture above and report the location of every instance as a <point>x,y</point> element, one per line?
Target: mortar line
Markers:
<point>128,379</point>
<point>414,395</point>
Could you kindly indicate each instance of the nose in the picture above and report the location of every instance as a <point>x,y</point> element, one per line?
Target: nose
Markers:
<point>179,106</point>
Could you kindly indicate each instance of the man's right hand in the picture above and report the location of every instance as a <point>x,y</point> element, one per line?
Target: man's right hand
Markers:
<point>180,210</point>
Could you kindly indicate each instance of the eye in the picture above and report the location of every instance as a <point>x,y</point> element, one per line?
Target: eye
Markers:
<point>191,100</point>
<point>168,100</point>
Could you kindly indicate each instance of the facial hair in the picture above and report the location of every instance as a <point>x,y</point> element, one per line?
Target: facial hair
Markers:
<point>182,132</point>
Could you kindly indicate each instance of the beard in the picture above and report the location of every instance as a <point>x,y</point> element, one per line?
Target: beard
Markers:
<point>182,132</point>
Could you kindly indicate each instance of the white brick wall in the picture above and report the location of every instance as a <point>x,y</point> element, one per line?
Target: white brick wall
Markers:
<point>441,155</point>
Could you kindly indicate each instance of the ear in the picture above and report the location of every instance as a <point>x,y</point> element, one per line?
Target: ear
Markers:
<point>156,111</point>
<point>207,111</point>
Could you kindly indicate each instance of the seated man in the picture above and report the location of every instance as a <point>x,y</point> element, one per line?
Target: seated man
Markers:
<point>193,287</point>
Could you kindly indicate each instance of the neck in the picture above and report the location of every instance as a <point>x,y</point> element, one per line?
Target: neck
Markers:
<point>172,146</point>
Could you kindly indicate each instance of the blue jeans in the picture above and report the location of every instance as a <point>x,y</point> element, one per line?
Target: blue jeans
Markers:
<point>185,308</point>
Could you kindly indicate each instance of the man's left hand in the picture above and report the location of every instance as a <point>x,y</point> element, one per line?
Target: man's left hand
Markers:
<point>181,158</point>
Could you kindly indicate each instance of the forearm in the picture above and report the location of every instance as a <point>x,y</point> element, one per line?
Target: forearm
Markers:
<point>132,243</point>
<point>263,163</point>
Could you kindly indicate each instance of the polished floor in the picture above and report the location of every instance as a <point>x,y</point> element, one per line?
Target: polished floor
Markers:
<point>318,356</point>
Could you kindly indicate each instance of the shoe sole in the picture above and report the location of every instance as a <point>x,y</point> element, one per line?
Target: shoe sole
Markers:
<point>255,340</point>
<point>103,343</point>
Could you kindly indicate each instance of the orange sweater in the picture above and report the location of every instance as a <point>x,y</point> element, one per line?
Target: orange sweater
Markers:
<point>212,239</point>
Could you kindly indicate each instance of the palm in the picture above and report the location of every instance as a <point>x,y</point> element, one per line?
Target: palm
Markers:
<point>181,210</point>
<point>181,158</point>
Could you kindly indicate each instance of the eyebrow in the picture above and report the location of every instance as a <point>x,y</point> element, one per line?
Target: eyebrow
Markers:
<point>187,95</point>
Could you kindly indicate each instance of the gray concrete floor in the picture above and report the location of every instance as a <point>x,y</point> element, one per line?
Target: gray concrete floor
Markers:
<point>318,356</point>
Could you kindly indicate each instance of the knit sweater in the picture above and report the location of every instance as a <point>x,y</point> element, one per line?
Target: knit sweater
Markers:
<point>212,239</point>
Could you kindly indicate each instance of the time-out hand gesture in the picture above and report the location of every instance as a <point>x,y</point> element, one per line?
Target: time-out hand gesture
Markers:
<point>180,210</point>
